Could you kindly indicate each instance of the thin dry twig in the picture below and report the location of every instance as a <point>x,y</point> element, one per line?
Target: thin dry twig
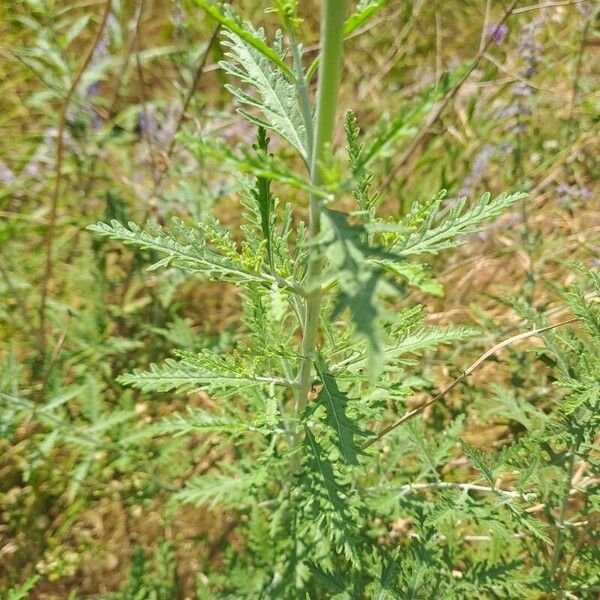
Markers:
<point>60,150</point>
<point>507,342</point>
<point>547,5</point>
<point>438,111</point>
<point>192,90</point>
<point>54,359</point>
<point>200,70</point>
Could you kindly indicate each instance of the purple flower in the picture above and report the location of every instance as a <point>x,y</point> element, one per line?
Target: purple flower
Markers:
<point>7,177</point>
<point>178,16</point>
<point>522,89</point>
<point>497,32</point>
<point>478,169</point>
<point>573,191</point>
<point>93,89</point>
<point>514,110</point>
<point>147,122</point>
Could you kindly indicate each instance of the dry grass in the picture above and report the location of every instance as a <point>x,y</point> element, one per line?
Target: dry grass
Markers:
<point>395,58</point>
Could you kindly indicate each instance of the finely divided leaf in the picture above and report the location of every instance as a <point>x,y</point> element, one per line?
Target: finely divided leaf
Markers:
<point>460,221</point>
<point>415,274</point>
<point>330,514</point>
<point>318,463</point>
<point>206,250</point>
<point>414,341</point>
<point>263,198</point>
<point>188,376</point>
<point>386,590</point>
<point>220,490</point>
<point>225,16</point>
<point>277,100</point>
<point>523,518</point>
<point>362,178</point>
<point>200,421</point>
<point>478,460</point>
<point>335,403</point>
<point>360,280</point>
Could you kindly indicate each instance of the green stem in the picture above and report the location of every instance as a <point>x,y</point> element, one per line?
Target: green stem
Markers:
<point>302,86</point>
<point>560,534</point>
<point>327,100</point>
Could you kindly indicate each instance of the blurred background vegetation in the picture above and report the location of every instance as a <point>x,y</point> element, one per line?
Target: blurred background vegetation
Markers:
<point>84,495</point>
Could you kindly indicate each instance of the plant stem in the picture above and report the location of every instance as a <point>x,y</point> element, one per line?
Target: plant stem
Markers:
<point>302,87</point>
<point>327,100</point>
<point>58,177</point>
<point>556,555</point>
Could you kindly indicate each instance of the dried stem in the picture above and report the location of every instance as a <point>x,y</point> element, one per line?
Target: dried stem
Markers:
<point>515,338</point>
<point>438,111</point>
<point>200,70</point>
<point>60,150</point>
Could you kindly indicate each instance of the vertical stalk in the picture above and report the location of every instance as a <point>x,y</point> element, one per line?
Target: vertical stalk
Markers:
<point>58,177</point>
<point>332,38</point>
<point>560,534</point>
<point>302,86</point>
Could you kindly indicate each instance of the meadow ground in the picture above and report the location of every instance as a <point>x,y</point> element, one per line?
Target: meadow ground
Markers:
<point>76,310</point>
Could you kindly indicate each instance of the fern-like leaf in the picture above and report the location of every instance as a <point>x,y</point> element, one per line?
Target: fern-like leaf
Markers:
<point>329,513</point>
<point>226,17</point>
<point>228,491</point>
<point>335,403</point>
<point>276,94</point>
<point>360,280</point>
<point>190,249</point>
<point>188,376</point>
<point>200,421</point>
<point>479,461</point>
<point>432,239</point>
<point>263,198</point>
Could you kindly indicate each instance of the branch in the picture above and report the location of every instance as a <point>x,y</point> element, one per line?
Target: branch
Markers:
<point>170,149</point>
<point>60,150</point>
<point>443,485</point>
<point>436,114</point>
<point>515,338</point>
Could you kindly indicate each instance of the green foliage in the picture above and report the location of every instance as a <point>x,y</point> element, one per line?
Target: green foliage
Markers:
<point>21,592</point>
<point>335,403</point>
<point>148,580</point>
<point>226,17</point>
<point>421,235</point>
<point>294,462</point>
<point>276,94</point>
<point>365,10</point>
<point>264,200</point>
<point>307,465</point>
<point>198,372</point>
<point>360,279</point>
